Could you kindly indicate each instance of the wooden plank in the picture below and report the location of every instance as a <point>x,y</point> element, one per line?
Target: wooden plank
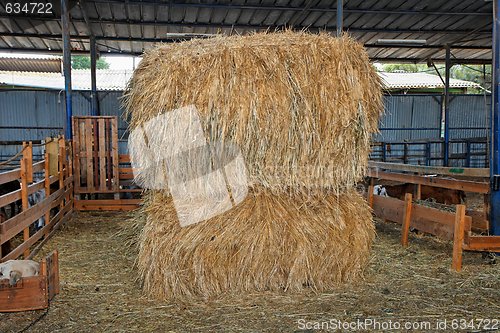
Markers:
<point>62,157</point>
<point>47,183</point>
<point>422,169</point>
<point>388,208</point>
<point>483,243</point>
<point>16,224</point>
<point>52,274</point>
<point>458,238</point>
<point>9,198</point>
<point>109,171</point>
<point>38,166</point>
<point>95,152</point>
<point>76,154</point>
<point>28,154</point>
<point>56,226</point>
<point>124,158</point>
<point>114,151</point>
<point>405,230</point>
<point>35,187</point>
<point>102,155</point>
<point>121,204</point>
<point>52,148</point>
<point>28,294</point>
<point>479,221</point>
<point>370,195</point>
<point>25,205</point>
<point>14,254</point>
<point>433,221</point>
<point>452,184</point>
<point>9,176</point>
<point>88,148</point>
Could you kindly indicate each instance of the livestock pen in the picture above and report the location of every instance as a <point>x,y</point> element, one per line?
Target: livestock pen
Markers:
<point>294,249</point>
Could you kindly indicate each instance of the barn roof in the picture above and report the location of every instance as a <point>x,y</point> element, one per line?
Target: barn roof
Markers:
<point>117,80</point>
<point>129,27</point>
<point>106,79</point>
<point>420,80</point>
<point>31,64</point>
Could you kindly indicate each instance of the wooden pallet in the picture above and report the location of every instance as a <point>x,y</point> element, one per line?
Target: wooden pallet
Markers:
<point>100,172</point>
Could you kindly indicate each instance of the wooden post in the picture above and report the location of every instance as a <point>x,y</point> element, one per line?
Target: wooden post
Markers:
<point>47,187</point>
<point>28,153</point>
<point>102,154</point>
<point>89,165</point>
<point>405,229</point>
<point>24,199</point>
<point>458,238</point>
<point>370,196</point>
<point>56,271</point>
<point>76,157</point>
<point>486,209</point>
<point>114,147</point>
<point>418,191</point>
<point>52,148</point>
<point>43,267</point>
<point>61,168</point>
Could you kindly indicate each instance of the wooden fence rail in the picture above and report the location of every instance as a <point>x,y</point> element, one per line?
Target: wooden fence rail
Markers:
<point>57,182</point>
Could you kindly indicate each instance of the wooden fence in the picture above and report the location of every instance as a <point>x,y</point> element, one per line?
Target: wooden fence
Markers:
<point>457,227</point>
<point>56,180</point>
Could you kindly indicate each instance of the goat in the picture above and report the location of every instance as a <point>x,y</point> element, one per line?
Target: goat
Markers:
<point>14,270</point>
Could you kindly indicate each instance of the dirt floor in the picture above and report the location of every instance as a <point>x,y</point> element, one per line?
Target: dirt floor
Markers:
<point>412,286</point>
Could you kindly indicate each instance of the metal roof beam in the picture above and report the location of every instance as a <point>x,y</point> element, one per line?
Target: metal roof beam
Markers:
<point>263,27</point>
<point>290,8</point>
<point>187,37</point>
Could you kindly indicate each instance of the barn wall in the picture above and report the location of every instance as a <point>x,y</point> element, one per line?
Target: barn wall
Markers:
<point>410,117</point>
<point>33,115</point>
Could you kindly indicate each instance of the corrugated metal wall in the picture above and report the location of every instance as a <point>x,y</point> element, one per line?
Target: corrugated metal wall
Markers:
<point>469,119</point>
<point>469,116</point>
<point>410,117</point>
<point>34,115</point>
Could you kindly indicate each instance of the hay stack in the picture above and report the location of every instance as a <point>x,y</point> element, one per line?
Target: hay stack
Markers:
<point>268,242</point>
<point>301,108</point>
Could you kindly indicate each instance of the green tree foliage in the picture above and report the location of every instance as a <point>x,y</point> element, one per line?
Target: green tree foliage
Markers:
<point>83,62</point>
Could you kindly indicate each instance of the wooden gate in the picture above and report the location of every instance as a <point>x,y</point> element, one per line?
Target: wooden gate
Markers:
<point>97,168</point>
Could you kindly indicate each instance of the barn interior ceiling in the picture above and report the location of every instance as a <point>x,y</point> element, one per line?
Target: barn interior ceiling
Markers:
<point>132,26</point>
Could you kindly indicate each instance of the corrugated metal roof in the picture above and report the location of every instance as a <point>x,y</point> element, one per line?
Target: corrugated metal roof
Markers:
<point>37,64</point>
<point>106,79</point>
<point>117,80</point>
<point>132,26</point>
<point>420,80</point>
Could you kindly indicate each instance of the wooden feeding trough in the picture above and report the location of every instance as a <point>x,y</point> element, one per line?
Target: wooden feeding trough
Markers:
<point>32,293</point>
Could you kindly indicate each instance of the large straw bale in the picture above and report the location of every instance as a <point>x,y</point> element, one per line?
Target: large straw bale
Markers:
<point>301,107</point>
<point>268,242</point>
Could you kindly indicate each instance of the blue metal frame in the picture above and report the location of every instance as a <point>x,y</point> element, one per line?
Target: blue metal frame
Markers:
<point>67,68</point>
<point>340,17</point>
<point>495,125</point>
<point>447,108</point>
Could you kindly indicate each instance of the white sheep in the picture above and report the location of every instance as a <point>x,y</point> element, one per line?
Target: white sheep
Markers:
<point>14,270</point>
